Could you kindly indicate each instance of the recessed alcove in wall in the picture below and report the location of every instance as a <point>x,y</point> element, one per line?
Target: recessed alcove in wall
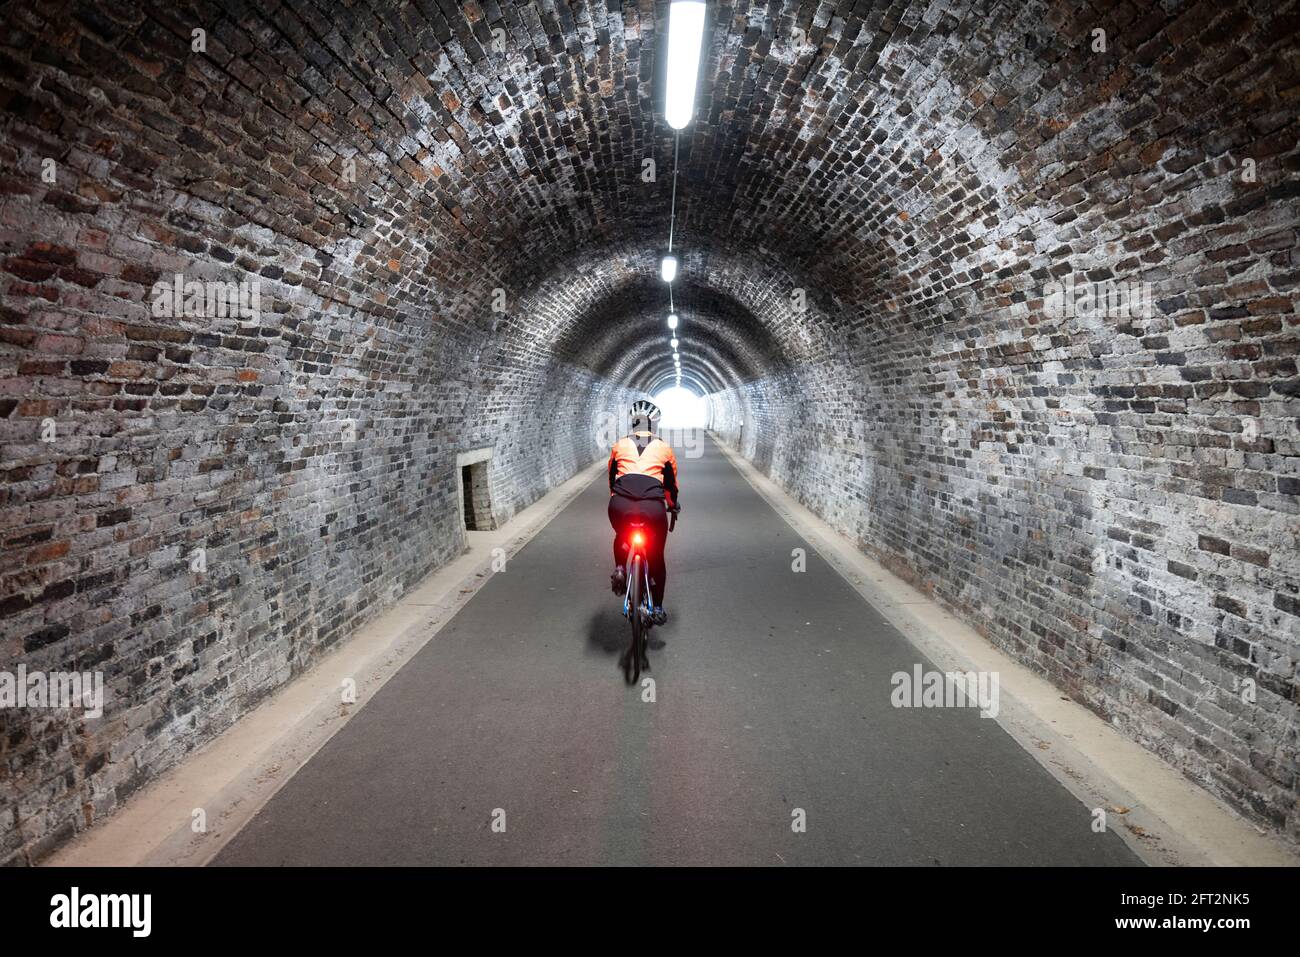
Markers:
<point>475,490</point>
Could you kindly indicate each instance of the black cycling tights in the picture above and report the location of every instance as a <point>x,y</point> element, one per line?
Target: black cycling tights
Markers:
<point>655,518</point>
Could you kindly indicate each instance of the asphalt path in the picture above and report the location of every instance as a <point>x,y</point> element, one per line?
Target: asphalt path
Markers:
<point>771,739</point>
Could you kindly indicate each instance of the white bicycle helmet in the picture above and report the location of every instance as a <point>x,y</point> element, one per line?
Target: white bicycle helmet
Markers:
<point>645,416</point>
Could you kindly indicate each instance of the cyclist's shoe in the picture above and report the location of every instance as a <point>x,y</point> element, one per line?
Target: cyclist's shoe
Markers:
<point>618,581</point>
<point>659,616</point>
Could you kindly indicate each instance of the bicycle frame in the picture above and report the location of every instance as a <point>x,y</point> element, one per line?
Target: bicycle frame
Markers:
<point>637,548</point>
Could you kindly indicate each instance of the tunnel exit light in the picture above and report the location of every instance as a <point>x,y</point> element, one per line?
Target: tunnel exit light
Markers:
<point>682,408</point>
<point>685,34</point>
<point>669,268</point>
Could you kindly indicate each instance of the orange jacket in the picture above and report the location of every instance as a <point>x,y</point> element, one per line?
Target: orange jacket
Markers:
<point>657,461</point>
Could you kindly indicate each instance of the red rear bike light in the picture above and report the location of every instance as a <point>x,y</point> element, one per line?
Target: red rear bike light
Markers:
<point>637,538</point>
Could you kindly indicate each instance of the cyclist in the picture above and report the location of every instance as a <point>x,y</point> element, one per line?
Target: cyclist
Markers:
<point>643,484</point>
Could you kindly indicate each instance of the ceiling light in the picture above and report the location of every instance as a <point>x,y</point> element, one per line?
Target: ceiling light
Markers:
<point>669,268</point>
<point>672,321</point>
<point>674,343</point>
<point>685,34</point>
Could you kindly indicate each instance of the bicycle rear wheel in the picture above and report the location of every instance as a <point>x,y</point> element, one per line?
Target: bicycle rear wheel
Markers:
<point>632,668</point>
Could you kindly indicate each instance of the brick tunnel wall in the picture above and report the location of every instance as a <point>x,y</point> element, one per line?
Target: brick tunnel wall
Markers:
<point>1138,549</point>
<point>201,506</point>
<point>1112,499</point>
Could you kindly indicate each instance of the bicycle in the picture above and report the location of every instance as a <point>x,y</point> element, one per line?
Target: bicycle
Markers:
<point>638,602</point>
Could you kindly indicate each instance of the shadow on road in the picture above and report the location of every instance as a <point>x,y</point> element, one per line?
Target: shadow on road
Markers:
<point>608,633</point>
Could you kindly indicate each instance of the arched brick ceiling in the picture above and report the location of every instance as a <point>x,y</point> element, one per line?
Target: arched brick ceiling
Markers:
<point>478,169</point>
<point>876,152</point>
<point>628,331</point>
<point>914,168</point>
